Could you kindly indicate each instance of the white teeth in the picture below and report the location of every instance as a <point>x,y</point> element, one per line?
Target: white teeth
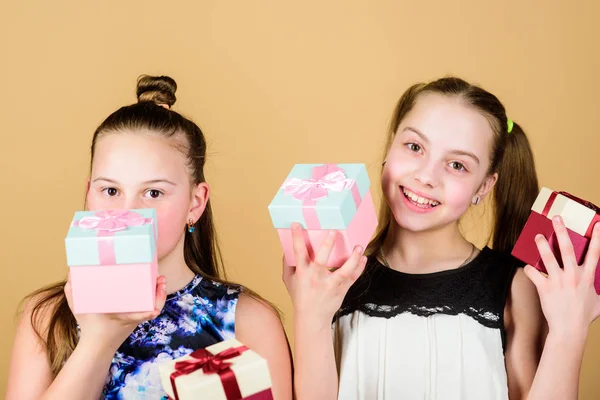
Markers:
<point>418,199</point>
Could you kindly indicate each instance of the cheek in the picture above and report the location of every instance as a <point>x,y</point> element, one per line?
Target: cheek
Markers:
<point>97,201</point>
<point>458,195</point>
<point>394,172</point>
<point>171,227</point>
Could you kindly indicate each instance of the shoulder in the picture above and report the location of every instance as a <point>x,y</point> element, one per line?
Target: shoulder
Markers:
<point>36,311</point>
<point>215,290</point>
<point>499,260</point>
<point>258,326</point>
<point>499,270</point>
<point>252,309</point>
<point>29,356</point>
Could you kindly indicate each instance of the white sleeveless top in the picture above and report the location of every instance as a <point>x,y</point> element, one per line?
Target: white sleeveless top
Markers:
<point>433,336</point>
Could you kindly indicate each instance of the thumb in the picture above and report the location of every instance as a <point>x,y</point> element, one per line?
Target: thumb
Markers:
<point>161,295</point>
<point>287,273</point>
<point>535,276</point>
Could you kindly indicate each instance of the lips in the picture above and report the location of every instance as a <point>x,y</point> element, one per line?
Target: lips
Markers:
<point>419,201</point>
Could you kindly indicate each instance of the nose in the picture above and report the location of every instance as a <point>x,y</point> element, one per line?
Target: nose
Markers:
<point>132,202</point>
<point>427,174</point>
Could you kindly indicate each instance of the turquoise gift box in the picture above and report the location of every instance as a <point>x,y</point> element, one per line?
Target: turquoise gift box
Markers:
<point>324,197</point>
<point>112,259</point>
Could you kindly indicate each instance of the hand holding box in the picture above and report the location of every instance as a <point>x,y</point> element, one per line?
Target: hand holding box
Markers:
<point>579,217</point>
<point>324,197</point>
<point>112,260</point>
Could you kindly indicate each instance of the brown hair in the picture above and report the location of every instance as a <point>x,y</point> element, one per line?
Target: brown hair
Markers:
<point>201,248</point>
<point>511,157</point>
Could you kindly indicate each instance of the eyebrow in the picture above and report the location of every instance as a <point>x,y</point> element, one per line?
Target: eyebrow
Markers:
<point>457,152</point>
<point>150,182</point>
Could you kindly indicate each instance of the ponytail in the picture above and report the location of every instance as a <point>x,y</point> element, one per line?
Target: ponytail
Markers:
<point>515,191</point>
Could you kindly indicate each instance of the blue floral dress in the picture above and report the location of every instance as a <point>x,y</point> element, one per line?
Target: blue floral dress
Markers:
<point>197,316</point>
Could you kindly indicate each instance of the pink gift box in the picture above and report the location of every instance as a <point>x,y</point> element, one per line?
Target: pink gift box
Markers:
<point>114,288</point>
<point>322,198</point>
<point>112,261</point>
<point>358,233</point>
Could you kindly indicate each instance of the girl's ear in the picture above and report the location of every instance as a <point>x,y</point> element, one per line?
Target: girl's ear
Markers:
<point>487,186</point>
<point>200,196</point>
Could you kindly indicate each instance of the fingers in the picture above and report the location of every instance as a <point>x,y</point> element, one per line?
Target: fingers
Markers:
<point>161,295</point>
<point>287,273</point>
<point>300,251</point>
<point>361,268</point>
<point>593,253</point>
<point>547,256</point>
<point>322,256</point>
<point>352,268</point>
<point>535,276</point>
<point>564,244</point>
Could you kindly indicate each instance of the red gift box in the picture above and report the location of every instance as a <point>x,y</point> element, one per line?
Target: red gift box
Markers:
<point>226,370</point>
<point>579,216</point>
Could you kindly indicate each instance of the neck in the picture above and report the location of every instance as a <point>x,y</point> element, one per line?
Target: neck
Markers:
<point>426,252</point>
<point>173,267</point>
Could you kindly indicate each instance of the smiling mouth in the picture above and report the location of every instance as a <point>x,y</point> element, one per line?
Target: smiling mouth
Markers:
<point>419,201</point>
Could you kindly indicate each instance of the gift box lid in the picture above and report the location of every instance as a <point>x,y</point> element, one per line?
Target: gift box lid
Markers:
<point>577,216</point>
<point>251,373</point>
<point>129,235</point>
<point>320,196</point>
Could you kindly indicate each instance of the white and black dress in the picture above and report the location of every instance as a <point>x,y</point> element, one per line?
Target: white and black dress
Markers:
<point>425,336</point>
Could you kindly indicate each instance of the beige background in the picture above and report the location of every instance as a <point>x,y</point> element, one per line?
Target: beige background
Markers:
<point>272,84</point>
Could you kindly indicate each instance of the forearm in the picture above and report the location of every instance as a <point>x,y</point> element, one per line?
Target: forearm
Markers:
<point>557,376</point>
<point>315,369</point>
<point>83,375</point>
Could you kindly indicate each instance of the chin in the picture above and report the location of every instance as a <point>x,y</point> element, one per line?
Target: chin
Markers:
<point>421,223</point>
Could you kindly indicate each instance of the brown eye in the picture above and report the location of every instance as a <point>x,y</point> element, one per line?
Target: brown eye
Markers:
<point>111,191</point>
<point>414,147</point>
<point>457,166</point>
<point>154,194</point>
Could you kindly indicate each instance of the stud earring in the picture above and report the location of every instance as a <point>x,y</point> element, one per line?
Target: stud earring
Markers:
<point>476,200</point>
<point>190,225</point>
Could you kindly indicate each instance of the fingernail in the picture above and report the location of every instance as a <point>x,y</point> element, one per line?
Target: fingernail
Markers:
<point>359,249</point>
<point>331,234</point>
<point>538,236</point>
<point>597,226</point>
<point>557,219</point>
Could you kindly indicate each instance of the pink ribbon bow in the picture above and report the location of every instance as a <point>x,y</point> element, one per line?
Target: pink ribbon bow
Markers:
<point>316,188</point>
<point>324,178</point>
<point>106,223</point>
<point>112,220</point>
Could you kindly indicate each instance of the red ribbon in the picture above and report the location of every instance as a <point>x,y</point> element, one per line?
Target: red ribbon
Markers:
<point>211,364</point>
<point>585,203</point>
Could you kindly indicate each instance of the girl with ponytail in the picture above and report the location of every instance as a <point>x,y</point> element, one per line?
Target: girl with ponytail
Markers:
<point>424,314</point>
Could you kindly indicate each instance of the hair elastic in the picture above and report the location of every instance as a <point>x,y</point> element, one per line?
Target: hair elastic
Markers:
<point>509,125</point>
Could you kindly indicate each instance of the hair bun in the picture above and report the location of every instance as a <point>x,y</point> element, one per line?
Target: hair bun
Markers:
<point>158,89</point>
